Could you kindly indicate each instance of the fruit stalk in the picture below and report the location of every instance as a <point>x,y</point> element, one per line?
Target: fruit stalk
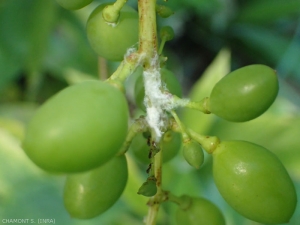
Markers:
<point>147,31</point>
<point>112,12</point>
<point>200,106</point>
<point>183,202</point>
<point>138,126</point>
<point>148,50</point>
<point>208,143</point>
<point>126,67</point>
<point>155,201</point>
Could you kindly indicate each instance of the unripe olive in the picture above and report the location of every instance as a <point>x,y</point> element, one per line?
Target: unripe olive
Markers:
<point>111,40</point>
<point>244,94</point>
<point>73,4</point>
<point>76,129</point>
<point>201,211</point>
<point>166,33</point>
<point>193,153</point>
<point>254,182</point>
<point>88,194</point>
<point>163,11</point>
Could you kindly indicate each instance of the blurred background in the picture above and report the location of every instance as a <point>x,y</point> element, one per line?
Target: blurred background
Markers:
<point>43,49</point>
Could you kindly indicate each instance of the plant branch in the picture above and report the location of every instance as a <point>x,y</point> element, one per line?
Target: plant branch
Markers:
<point>147,31</point>
<point>148,49</point>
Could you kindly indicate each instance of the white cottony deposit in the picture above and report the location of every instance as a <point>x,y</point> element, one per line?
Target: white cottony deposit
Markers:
<point>129,52</point>
<point>158,101</point>
<point>111,24</point>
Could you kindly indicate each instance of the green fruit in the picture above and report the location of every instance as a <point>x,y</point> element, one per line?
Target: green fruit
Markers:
<point>88,194</point>
<point>80,128</point>
<point>164,11</point>
<point>166,33</point>
<point>111,41</point>
<point>167,76</point>
<point>244,94</point>
<point>254,182</point>
<point>170,145</point>
<point>73,4</point>
<point>201,211</point>
<point>193,153</point>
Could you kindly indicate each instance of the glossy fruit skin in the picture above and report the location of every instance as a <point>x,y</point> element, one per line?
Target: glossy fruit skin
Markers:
<point>193,153</point>
<point>73,4</point>
<point>78,129</point>
<point>254,182</point>
<point>202,211</point>
<point>244,94</point>
<point>170,145</point>
<point>167,76</point>
<point>88,194</point>
<point>112,41</point>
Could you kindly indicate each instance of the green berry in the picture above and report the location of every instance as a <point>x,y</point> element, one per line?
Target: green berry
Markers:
<point>244,94</point>
<point>254,182</point>
<point>76,129</point>
<point>91,193</point>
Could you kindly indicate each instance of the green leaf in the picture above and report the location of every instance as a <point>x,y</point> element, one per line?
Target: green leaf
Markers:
<point>11,153</point>
<point>25,29</point>
<point>14,127</point>
<point>206,7</point>
<point>69,47</point>
<point>267,43</point>
<point>273,47</point>
<point>73,76</point>
<point>9,67</point>
<point>196,120</point>
<point>20,111</point>
<point>42,18</point>
<point>135,202</point>
<point>267,11</point>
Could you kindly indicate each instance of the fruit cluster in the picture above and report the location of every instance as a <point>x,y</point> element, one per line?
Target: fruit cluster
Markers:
<point>83,130</point>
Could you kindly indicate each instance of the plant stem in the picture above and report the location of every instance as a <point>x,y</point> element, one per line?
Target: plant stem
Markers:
<point>162,44</point>
<point>126,68</point>
<point>200,106</point>
<point>102,68</point>
<point>181,127</point>
<point>183,202</point>
<point>208,143</point>
<point>147,31</point>
<point>155,201</point>
<point>148,50</point>
<point>111,13</point>
<point>138,126</point>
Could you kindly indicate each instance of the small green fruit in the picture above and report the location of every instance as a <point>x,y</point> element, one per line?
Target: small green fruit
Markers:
<point>193,153</point>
